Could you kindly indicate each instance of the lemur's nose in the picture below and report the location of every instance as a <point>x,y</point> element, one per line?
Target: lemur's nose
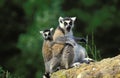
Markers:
<point>68,28</point>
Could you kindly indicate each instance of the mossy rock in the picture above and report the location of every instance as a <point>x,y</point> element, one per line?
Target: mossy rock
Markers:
<point>106,68</point>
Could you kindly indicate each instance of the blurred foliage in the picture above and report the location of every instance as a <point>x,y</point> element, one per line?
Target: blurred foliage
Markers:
<point>42,14</point>
<point>95,13</point>
<point>91,49</point>
<point>21,21</point>
<point>6,74</point>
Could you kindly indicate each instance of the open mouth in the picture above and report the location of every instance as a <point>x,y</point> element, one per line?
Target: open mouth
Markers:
<point>68,28</point>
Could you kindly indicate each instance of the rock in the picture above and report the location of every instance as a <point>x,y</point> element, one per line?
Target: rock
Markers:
<point>106,68</point>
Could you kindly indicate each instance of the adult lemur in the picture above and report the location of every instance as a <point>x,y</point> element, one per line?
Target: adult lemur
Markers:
<point>65,29</point>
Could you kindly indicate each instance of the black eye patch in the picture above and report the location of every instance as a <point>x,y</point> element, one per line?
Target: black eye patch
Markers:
<point>65,23</point>
<point>45,34</point>
<point>60,21</point>
<point>70,23</point>
<point>48,33</point>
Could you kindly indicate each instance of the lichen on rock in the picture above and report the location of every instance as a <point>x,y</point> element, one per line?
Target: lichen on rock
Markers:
<point>106,68</point>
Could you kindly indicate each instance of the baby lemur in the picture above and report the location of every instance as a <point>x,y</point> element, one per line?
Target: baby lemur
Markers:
<point>46,51</point>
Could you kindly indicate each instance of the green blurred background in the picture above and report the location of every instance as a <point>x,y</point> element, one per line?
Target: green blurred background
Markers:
<point>21,20</point>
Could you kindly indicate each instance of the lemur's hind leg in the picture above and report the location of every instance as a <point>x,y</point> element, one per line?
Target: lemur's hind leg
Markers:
<point>67,56</point>
<point>55,63</point>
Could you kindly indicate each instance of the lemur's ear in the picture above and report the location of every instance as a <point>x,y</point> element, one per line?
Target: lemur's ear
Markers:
<point>41,32</point>
<point>51,29</point>
<point>60,19</point>
<point>73,18</point>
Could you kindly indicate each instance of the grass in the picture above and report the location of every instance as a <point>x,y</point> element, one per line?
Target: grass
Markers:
<point>92,49</point>
<point>6,74</point>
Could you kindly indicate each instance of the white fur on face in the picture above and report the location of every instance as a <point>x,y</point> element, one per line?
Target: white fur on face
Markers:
<point>43,34</point>
<point>68,21</point>
<point>61,22</point>
<point>46,34</point>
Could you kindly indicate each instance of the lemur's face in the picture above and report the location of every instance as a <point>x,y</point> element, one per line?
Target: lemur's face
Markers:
<point>47,34</point>
<point>67,23</point>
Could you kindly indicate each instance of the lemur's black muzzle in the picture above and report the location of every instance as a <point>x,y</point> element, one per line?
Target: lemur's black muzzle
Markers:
<point>68,28</point>
<point>48,38</point>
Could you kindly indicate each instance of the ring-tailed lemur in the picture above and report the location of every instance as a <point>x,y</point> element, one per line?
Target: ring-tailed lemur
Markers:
<point>64,60</point>
<point>46,50</point>
<point>65,29</point>
<point>61,30</point>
